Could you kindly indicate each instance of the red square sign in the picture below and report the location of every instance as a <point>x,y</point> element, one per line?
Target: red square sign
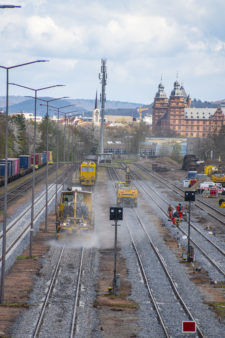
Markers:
<point>188,327</point>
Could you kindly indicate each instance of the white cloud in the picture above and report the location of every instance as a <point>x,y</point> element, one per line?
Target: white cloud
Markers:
<point>141,40</point>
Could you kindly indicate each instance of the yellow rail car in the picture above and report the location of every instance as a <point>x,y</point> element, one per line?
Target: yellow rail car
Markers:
<point>88,173</point>
<point>74,214</point>
<point>126,195</point>
<point>218,178</point>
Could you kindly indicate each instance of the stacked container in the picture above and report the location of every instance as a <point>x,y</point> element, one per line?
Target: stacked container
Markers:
<point>15,166</point>
<point>43,158</point>
<point>2,169</point>
<point>37,160</point>
<point>25,161</point>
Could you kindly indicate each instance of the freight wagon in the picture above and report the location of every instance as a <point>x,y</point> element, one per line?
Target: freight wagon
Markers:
<point>18,167</point>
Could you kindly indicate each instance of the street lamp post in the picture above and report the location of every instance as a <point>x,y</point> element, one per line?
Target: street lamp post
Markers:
<point>6,174</point>
<point>46,201</point>
<point>34,155</point>
<point>65,116</point>
<point>57,151</point>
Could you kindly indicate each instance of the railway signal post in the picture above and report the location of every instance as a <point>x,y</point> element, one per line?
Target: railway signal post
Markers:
<point>189,197</point>
<point>115,214</point>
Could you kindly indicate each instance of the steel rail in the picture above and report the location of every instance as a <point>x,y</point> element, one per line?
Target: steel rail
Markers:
<point>192,224</point>
<point>199,248</point>
<point>14,193</point>
<point>24,231</point>
<point>114,173</point>
<point>27,209</point>
<point>172,283</point>
<point>77,294</point>
<point>53,279</point>
<point>173,186</point>
<point>145,279</point>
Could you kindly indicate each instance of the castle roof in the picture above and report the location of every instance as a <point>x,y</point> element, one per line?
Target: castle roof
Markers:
<point>161,93</point>
<point>177,90</point>
<point>183,92</point>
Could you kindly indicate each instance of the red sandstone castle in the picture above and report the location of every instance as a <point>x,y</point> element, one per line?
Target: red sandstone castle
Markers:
<point>174,116</point>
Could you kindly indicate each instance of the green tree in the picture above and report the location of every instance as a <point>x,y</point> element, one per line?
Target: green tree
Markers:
<point>176,152</point>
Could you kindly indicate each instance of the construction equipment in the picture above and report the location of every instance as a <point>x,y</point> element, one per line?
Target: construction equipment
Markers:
<point>218,178</point>
<point>88,172</point>
<point>140,110</point>
<point>74,214</point>
<point>126,193</point>
<point>222,203</point>
<point>210,170</point>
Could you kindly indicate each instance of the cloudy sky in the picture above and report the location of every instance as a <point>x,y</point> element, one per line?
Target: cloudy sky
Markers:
<point>142,40</point>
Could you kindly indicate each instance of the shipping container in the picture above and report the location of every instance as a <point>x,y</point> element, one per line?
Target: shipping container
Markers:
<point>50,158</point>
<point>16,165</point>
<point>43,158</point>
<point>2,169</point>
<point>9,167</point>
<point>37,160</point>
<point>25,162</point>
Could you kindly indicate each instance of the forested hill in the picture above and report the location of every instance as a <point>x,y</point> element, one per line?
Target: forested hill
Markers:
<point>85,106</point>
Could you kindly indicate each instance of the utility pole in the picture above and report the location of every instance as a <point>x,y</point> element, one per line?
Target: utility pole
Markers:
<point>189,196</point>
<point>102,77</point>
<point>115,214</point>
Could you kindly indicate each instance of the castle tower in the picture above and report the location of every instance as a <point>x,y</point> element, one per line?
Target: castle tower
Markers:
<point>177,103</point>
<point>159,109</point>
<point>96,112</point>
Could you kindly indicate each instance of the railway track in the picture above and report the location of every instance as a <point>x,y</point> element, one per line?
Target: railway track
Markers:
<point>18,229</point>
<point>169,290</point>
<point>22,230</point>
<point>216,250</point>
<point>215,213</point>
<point>19,190</point>
<point>55,296</point>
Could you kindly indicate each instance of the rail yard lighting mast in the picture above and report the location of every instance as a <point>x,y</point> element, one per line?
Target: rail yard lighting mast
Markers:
<point>57,150</point>
<point>46,194</point>
<point>102,78</point>
<point>6,173</point>
<point>64,134</point>
<point>34,155</point>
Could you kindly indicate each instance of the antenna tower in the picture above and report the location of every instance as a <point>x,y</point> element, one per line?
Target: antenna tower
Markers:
<point>102,78</point>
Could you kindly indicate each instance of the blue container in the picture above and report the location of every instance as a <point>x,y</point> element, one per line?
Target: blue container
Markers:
<point>25,161</point>
<point>43,158</point>
<point>12,163</point>
<point>2,168</point>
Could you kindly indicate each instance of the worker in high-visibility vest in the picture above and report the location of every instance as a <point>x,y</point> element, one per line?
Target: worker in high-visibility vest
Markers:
<point>170,212</point>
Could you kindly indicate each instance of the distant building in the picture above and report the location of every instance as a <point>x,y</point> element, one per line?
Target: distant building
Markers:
<point>165,145</point>
<point>115,148</point>
<point>174,116</point>
<point>118,119</point>
<point>29,116</point>
<point>147,148</point>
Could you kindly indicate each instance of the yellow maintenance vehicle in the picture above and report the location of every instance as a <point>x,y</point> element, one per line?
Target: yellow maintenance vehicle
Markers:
<point>74,214</point>
<point>210,170</point>
<point>218,178</point>
<point>126,193</point>
<point>222,203</point>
